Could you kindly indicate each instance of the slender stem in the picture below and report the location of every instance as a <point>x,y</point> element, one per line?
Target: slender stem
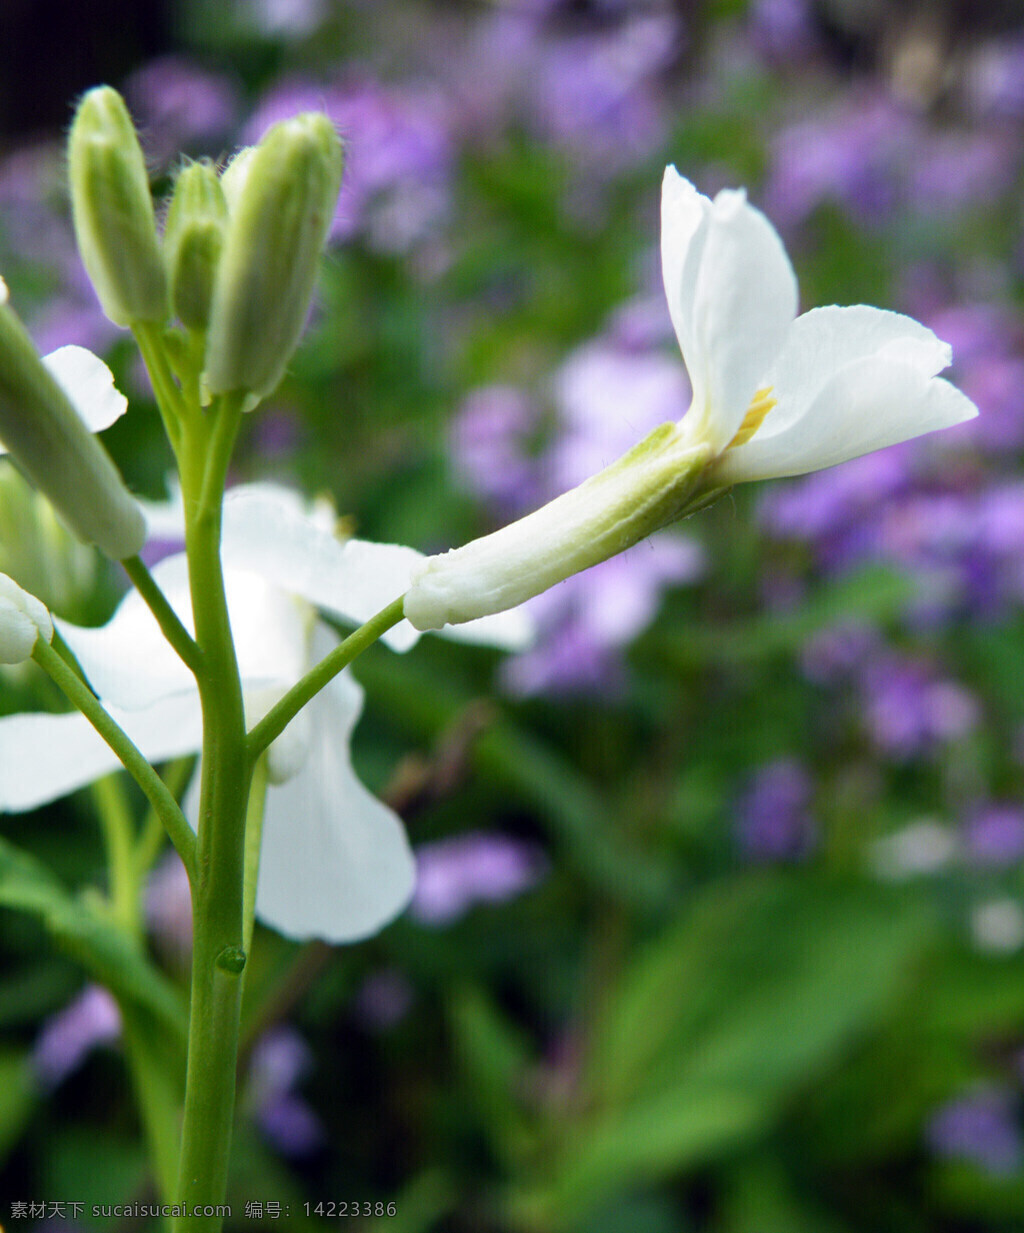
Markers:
<point>173,407</point>
<point>152,835</point>
<point>218,957</point>
<point>156,1065</point>
<point>119,840</point>
<point>280,716</point>
<point>80,696</point>
<point>170,625</point>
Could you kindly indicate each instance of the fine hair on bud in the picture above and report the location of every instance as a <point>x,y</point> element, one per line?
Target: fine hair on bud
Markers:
<point>281,198</point>
<point>112,209</point>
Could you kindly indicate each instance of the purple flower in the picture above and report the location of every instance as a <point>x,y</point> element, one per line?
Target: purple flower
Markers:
<point>169,906</point>
<point>996,80</point>
<point>280,1059</point>
<point>398,155</point>
<point>66,1038</point>
<point>181,106</point>
<point>773,822</point>
<point>586,620</point>
<point>453,875</point>
<point>490,443</point>
<point>783,29</point>
<point>994,835</point>
<point>834,653</point>
<point>908,710</point>
<point>981,1129</point>
<point>384,999</point>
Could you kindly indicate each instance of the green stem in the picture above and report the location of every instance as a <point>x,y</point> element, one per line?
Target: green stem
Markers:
<point>170,625</point>
<point>80,696</point>
<point>119,841</point>
<point>152,835</point>
<point>280,716</point>
<point>156,1074</point>
<point>172,405</point>
<point>218,957</point>
<point>253,839</point>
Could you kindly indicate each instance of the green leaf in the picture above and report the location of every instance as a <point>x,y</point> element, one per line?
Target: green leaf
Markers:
<point>80,927</point>
<point>17,1097</point>
<point>763,982</point>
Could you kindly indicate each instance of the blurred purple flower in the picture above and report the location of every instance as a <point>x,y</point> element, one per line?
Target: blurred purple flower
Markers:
<point>994,835</point>
<point>593,89</point>
<point>608,397</point>
<point>908,710</point>
<point>832,654</point>
<point>453,875</point>
<point>845,155</point>
<point>181,106</point>
<point>783,29</point>
<point>169,906</point>
<point>773,822</point>
<point>66,1038</point>
<point>383,999</point>
<point>490,443</point>
<point>586,620</point>
<point>398,155</point>
<point>981,1129</point>
<point>288,18</point>
<point>280,1059</point>
<point>995,79</point>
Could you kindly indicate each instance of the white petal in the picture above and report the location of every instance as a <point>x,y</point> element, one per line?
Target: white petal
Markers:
<point>824,340</point>
<point>130,663</point>
<point>43,757</point>
<point>89,383</point>
<point>683,210</point>
<point>866,406</point>
<point>335,863</point>
<point>743,303</point>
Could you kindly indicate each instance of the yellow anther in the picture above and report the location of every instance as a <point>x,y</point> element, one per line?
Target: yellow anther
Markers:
<point>760,405</point>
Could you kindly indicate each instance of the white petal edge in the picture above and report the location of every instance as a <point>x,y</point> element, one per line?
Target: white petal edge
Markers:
<point>866,406</point>
<point>335,863</point>
<point>44,757</point>
<point>683,210</point>
<point>89,383</point>
<point>825,340</point>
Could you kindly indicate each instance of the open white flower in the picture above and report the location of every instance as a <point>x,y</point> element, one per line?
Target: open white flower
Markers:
<point>773,395</point>
<point>335,863</point>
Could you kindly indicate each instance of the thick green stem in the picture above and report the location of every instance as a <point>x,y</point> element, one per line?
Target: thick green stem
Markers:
<point>218,957</point>
<point>80,696</point>
<point>280,716</point>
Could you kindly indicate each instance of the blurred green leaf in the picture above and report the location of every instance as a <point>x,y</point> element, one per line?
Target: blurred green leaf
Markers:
<point>763,981</point>
<point>17,1097</point>
<point>79,926</point>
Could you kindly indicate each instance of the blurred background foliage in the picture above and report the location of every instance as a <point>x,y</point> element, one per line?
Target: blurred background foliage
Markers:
<point>720,920</point>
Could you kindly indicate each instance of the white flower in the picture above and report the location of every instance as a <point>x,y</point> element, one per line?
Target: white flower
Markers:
<point>335,862</point>
<point>773,395</point>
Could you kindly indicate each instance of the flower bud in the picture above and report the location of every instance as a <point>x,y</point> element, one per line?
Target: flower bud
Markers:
<point>282,198</point>
<point>22,619</point>
<point>113,210</point>
<point>193,238</point>
<point>47,438</point>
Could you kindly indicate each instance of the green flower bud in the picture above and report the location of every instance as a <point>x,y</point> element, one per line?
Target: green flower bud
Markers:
<point>282,197</point>
<point>47,438</point>
<point>113,210</point>
<point>193,239</point>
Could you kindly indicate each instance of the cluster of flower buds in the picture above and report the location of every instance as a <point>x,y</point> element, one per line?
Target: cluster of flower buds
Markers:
<point>240,251</point>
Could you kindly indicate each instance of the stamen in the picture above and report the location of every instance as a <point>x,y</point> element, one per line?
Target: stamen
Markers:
<point>760,405</point>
